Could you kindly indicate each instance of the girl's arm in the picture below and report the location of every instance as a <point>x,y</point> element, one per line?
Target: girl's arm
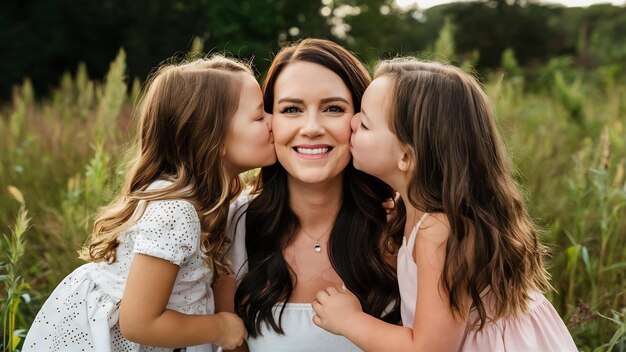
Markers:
<point>144,318</point>
<point>224,289</point>
<point>434,326</point>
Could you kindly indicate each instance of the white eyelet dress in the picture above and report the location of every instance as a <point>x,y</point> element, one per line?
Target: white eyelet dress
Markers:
<point>83,311</point>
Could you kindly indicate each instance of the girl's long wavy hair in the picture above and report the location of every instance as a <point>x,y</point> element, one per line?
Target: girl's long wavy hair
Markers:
<point>461,169</point>
<point>355,240</point>
<point>183,120</point>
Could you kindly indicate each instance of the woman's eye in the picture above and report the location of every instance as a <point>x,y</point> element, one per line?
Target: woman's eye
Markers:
<point>290,110</point>
<point>335,109</point>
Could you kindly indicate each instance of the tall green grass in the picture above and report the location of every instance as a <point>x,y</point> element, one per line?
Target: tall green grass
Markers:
<point>15,288</point>
<point>567,142</point>
<point>566,138</point>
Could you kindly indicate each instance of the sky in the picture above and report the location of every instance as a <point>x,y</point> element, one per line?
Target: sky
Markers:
<point>424,4</point>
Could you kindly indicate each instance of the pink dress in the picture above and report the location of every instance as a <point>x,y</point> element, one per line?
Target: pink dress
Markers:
<point>541,329</point>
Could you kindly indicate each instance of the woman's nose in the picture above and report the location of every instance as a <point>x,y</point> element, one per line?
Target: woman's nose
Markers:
<point>313,125</point>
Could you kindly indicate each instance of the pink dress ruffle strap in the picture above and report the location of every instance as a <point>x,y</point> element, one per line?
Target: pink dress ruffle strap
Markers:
<point>407,276</point>
<point>540,329</point>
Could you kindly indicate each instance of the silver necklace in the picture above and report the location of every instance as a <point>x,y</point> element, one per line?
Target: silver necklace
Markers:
<point>317,247</point>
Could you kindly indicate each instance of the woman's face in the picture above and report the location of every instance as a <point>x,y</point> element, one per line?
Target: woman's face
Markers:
<point>311,122</point>
<point>249,142</point>
<point>375,149</point>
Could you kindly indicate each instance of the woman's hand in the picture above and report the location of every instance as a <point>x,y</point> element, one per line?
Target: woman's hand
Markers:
<point>334,310</point>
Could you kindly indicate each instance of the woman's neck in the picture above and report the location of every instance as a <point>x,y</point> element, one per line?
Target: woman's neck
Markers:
<point>315,205</point>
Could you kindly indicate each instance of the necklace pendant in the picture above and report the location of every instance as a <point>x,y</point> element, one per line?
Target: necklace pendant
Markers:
<point>318,248</point>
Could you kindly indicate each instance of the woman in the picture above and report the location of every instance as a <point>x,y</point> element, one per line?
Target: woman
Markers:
<point>313,220</point>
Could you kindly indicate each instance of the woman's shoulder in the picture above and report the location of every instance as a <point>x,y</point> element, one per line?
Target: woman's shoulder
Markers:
<point>240,204</point>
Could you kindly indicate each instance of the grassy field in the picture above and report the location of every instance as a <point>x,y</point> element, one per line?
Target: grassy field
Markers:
<point>62,157</point>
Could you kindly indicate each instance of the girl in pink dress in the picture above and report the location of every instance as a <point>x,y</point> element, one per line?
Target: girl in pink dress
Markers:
<point>470,263</point>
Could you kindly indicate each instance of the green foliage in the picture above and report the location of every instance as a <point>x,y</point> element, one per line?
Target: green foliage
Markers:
<point>493,26</point>
<point>60,35</point>
<point>574,180</point>
<point>64,153</point>
<point>444,45</point>
<point>12,247</point>
<point>619,338</point>
<point>509,63</point>
<point>113,95</point>
<point>571,97</point>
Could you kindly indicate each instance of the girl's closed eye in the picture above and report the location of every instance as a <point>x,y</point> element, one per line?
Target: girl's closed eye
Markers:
<point>290,109</point>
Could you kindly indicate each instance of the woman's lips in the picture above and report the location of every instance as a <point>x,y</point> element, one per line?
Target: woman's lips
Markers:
<point>313,151</point>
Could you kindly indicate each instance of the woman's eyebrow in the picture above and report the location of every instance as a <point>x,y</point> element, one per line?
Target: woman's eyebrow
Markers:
<point>332,99</point>
<point>291,100</point>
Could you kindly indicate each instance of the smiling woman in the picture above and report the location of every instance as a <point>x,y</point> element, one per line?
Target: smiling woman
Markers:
<point>312,122</point>
<point>313,220</point>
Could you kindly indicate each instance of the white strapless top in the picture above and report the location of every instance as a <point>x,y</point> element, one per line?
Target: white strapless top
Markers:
<point>301,334</point>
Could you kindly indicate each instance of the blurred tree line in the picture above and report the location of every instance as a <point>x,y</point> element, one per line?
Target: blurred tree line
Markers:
<point>41,39</point>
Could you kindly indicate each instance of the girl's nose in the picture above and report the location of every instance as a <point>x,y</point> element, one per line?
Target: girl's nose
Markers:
<point>354,123</point>
<point>268,120</point>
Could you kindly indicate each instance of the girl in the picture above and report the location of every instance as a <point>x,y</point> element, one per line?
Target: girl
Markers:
<point>155,249</point>
<point>470,266</point>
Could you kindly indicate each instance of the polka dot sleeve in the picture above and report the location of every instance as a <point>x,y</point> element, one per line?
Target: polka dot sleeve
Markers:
<point>169,230</point>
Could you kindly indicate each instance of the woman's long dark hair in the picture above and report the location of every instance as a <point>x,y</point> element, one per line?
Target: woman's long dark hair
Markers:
<point>355,245</point>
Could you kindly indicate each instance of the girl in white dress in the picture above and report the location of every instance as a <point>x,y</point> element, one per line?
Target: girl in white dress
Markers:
<point>155,250</point>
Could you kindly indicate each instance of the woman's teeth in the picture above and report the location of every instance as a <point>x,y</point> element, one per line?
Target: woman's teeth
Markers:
<point>315,151</point>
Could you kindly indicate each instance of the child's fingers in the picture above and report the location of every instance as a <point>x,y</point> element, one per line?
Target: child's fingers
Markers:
<point>331,291</point>
<point>321,296</point>
<point>317,321</point>
<point>317,307</point>
<point>389,205</point>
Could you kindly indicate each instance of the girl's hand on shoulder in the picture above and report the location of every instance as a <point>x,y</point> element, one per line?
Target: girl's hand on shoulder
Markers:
<point>335,309</point>
<point>389,205</point>
<point>233,331</point>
